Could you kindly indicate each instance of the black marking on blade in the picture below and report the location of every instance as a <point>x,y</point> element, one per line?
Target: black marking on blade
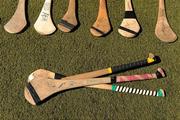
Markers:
<point>33,93</point>
<point>58,76</point>
<point>99,31</point>
<point>128,30</point>
<point>66,24</point>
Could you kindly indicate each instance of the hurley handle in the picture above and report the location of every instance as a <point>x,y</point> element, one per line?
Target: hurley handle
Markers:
<point>133,65</point>
<point>72,7</point>
<point>123,89</point>
<point>161,12</point>
<point>120,68</point>
<point>128,5</point>
<point>125,67</point>
<point>102,9</point>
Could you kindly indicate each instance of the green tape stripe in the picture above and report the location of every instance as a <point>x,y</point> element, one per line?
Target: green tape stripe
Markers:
<point>160,93</point>
<point>114,87</point>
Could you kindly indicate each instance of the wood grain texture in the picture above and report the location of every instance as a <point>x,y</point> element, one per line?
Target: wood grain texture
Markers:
<point>70,17</point>
<point>44,24</point>
<point>46,87</point>
<point>163,30</point>
<point>102,24</point>
<point>18,21</point>
<point>129,23</point>
<point>41,73</point>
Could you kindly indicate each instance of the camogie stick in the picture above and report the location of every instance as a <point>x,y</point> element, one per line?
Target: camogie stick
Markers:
<point>39,89</point>
<point>129,26</point>
<point>163,30</point>
<point>18,21</point>
<point>69,21</point>
<point>102,24</point>
<point>44,24</point>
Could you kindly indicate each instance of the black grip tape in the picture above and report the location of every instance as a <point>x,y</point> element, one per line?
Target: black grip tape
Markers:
<point>158,74</point>
<point>125,67</point>
<point>129,14</point>
<point>58,76</point>
<point>113,79</point>
<point>33,93</point>
<point>66,24</point>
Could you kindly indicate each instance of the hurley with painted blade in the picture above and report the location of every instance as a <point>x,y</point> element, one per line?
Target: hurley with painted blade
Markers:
<point>44,24</point>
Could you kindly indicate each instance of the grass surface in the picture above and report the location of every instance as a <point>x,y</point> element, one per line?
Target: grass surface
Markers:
<point>79,52</point>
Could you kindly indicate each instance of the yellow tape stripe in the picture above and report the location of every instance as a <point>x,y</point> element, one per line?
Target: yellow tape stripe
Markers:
<point>150,60</point>
<point>109,70</point>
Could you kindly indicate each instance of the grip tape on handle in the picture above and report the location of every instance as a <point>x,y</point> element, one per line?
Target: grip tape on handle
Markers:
<point>125,67</point>
<point>58,76</point>
<point>113,79</point>
<point>123,89</point>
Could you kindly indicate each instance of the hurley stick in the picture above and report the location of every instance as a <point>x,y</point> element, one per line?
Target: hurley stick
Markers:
<point>18,21</point>
<point>69,21</point>
<point>39,89</point>
<point>102,25</point>
<point>44,24</point>
<point>163,30</point>
<point>119,68</point>
<point>129,26</point>
<point>41,73</point>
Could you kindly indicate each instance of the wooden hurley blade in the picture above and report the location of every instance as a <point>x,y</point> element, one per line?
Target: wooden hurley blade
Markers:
<point>18,21</point>
<point>102,24</point>
<point>39,89</point>
<point>163,30</point>
<point>69,21</point>
<point>129,26</point>
<point>44,24</point>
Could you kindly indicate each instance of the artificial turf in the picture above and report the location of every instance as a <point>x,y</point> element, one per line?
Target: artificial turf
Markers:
<point>79,51</point>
